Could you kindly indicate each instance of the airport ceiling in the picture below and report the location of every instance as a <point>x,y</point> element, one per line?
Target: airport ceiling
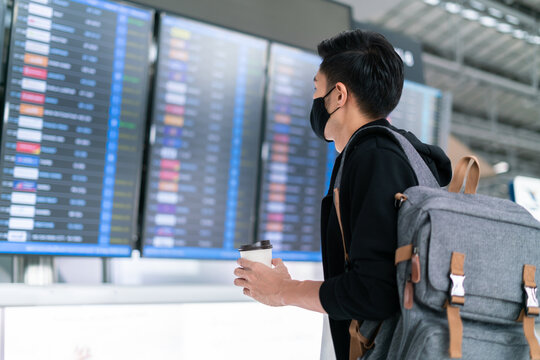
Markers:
<point>486,52</point>
<point>527,5</point>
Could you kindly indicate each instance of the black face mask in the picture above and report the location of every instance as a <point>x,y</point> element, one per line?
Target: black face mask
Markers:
<point>319,116</point>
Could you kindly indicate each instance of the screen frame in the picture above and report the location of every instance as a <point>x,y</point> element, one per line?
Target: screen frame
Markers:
<point>297,256</point>
<point>206,253</point>
<point>4,120</point>
<point>3,31</point>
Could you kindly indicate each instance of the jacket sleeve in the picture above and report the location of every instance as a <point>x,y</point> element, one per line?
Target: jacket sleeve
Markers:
<point>369,290</point>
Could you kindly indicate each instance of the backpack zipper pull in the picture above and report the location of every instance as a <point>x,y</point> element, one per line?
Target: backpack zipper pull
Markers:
<point>399,199</point>
<point>408,295</point>
<point>415,266</point>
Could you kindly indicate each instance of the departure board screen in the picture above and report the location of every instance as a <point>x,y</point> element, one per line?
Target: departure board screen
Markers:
<point>297,164</point>
<point>204,142</point>
<point>419,111</point>
<point>74,121</point>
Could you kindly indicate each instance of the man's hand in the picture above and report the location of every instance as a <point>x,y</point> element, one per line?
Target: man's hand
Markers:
<point>262,283</point>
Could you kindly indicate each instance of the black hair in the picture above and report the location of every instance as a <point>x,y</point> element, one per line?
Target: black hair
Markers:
<point>369,67</point>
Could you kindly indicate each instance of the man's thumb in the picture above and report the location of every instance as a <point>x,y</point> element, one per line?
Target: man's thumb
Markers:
<point>277,262</point>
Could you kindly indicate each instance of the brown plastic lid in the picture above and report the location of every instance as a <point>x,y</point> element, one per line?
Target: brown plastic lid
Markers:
<point>259,245</point>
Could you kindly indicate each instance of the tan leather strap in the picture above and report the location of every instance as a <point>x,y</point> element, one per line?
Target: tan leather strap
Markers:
<point>458,300</point>
<point>529,314</point>
<point>338,212</point>
<point>403,253</point>
<point>455,327</point>
<point>462,172</point>
<point>415,268</point>
<point>457,264</point>
<point>528,330</point>
<point>356,348</point>
<point>529,272</point>
<point>359,343</point>
<point>534,311</point>
<point>406,253</point>
<point>408,295</point>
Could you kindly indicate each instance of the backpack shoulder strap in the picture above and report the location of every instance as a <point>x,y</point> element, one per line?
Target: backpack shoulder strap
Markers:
<point>421,170</point>
<point>359,343</point>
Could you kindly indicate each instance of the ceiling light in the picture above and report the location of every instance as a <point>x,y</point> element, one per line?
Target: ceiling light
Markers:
<point>535,40</point>
<point>478,5</point>
<point>512,19</point>
<point>495,13</point>
<point>501,167</point>
<point>470,14</point>
<point>453,8</point>
<point>504,28</point>
<point>432,2</point>
<point>519,34</point>
<point>488,21</point>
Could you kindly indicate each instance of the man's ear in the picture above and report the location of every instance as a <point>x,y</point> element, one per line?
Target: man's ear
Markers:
<point>343,94</point>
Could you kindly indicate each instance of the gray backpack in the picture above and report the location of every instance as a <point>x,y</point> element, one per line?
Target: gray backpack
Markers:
<point>466,269</point>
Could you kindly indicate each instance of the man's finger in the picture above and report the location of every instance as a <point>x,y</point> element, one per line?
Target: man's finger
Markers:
<point>241,273</point>
<point>245,263</point>
<point>241,282</point>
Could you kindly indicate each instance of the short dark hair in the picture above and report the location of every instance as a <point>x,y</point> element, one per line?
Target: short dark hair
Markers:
<point>369,67</point>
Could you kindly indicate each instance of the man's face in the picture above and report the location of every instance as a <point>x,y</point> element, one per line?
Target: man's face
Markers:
<point>320,85</point>
<point>321,89</point>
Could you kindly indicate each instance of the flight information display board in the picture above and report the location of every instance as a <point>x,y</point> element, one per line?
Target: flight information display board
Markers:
<point>420,111</point>
<point>297,165</point>
<point>74,121</point>
<point>205,141</point>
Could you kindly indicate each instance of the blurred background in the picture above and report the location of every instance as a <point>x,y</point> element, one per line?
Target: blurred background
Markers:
<point>144,141</point>
<point>486,54</point>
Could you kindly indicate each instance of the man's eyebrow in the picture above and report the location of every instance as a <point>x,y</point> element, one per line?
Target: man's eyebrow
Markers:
<point>315,78</point>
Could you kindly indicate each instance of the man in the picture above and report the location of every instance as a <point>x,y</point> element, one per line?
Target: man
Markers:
<point>359,83</point>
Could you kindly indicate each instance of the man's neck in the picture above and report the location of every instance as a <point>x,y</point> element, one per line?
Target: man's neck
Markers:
<point>350,126</point>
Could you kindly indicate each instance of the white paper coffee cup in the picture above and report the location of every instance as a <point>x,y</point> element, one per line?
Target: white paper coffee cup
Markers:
<point>261,251</point>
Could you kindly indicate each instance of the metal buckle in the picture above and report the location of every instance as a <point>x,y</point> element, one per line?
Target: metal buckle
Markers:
<point>531,300</point>
<point>399,199</point>
<point>457,285</point>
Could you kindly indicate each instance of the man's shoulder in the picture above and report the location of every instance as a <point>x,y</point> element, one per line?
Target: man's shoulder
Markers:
<point>376,145</point>
<point>375,137</point>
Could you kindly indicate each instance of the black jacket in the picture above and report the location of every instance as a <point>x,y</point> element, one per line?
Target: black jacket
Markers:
<point>375,170</point>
